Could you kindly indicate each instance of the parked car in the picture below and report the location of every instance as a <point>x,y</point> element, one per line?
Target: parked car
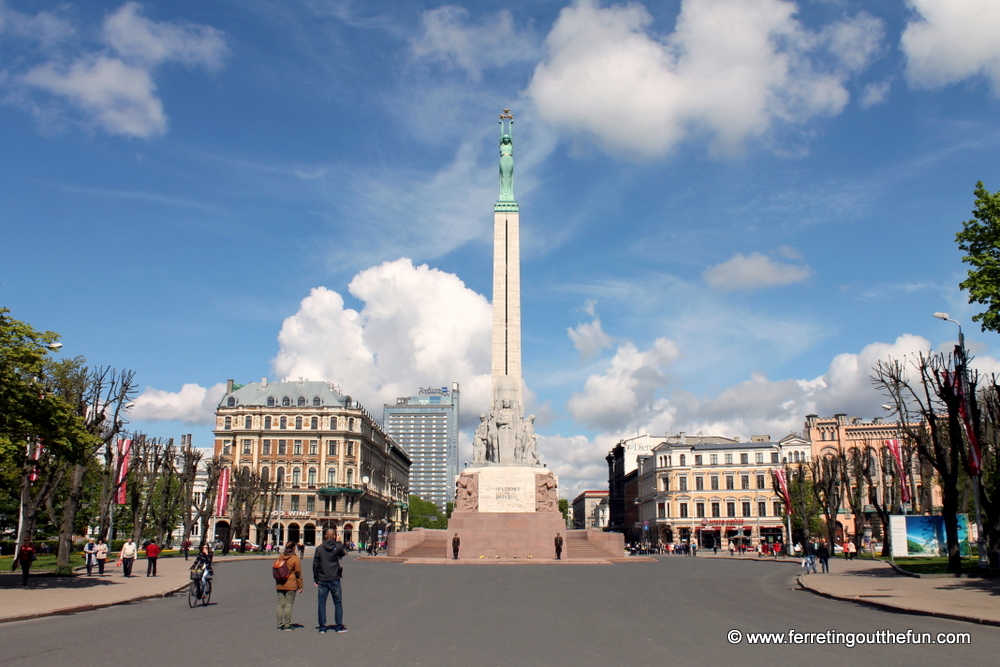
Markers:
<point>250,546</point>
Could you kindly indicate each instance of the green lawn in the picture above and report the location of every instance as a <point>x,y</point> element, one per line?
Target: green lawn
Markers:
<point>933,565</point>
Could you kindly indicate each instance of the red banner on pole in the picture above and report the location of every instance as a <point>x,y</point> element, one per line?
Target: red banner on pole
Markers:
<point>897,456</point>
<point>783,483</point>
<point>39,448</point>
<point>124,456</point>
<point>221,498</point>
<point>975,453</point>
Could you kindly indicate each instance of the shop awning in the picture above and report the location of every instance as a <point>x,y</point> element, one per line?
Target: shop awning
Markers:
<point>338,490</point>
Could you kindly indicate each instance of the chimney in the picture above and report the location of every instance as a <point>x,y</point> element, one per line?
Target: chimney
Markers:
<point>229,386</point>
<point>263,383</point>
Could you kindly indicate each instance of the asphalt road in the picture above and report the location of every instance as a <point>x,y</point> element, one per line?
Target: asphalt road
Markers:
<point>675,611</point>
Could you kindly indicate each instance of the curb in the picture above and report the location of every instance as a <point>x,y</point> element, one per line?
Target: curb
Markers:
<point>897,609</point>
<point>89,607</point>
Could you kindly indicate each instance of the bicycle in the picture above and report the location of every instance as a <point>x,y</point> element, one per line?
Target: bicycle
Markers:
<point>200,590</point>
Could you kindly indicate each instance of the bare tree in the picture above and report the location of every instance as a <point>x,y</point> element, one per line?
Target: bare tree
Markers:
<point>826,487</point>
<point>190,461</point>
<point>205,504</point>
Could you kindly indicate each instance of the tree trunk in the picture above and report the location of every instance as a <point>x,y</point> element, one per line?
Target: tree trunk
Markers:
<point>70,509</point>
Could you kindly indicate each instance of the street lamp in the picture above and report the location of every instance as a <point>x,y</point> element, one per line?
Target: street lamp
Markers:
<point>977,478</point>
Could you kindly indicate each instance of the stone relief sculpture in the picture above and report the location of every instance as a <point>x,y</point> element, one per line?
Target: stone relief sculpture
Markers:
<point>545,494</point>
<point>466,493</point>
<point>504,437</point>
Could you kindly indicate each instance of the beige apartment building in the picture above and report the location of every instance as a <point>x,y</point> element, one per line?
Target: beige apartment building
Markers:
<point>713,491</point>
<point>334,465</point>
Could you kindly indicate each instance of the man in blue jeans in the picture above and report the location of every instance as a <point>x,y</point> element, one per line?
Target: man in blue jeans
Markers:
<point>326,576</point>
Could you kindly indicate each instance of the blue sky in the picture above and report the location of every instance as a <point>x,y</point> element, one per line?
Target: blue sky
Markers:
<point>730,209</point>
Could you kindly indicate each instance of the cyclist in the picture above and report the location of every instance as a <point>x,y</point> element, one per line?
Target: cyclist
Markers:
<point>203,562</point>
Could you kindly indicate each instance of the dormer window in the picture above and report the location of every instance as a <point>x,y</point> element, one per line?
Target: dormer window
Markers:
<point>317,402</point>
<point>285,401</point>
<point>270,401</point>
<point>302,401</point>
<point>231,403</point>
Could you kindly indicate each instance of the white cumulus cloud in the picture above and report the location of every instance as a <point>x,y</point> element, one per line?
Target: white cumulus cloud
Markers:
<point>731,69</point>
<point>753,271</point>
<point>193,404</point>
<point>952,40</point>
<point>113,88</point>
<point>589,338</point>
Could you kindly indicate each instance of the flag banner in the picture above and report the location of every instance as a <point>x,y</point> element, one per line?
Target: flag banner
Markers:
<point>783,483</point>
<point>897,456</point>
<point>220,499</point>
<point>124,456</point>
<point>975,452</point>
<point>39,448</point>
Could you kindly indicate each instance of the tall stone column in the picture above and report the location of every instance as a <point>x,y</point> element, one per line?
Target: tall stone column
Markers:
<point>506,296</point>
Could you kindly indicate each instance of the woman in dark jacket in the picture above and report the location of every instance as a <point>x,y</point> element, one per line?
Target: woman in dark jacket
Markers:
<point>25,557</point>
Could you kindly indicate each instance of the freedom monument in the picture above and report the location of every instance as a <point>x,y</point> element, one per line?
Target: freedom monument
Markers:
<point>506,501</point>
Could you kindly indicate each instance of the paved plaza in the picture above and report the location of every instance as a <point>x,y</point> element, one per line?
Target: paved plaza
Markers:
<point>643,613</point>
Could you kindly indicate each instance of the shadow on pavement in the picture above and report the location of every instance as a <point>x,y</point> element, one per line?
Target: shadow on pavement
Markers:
<point>46,580</point>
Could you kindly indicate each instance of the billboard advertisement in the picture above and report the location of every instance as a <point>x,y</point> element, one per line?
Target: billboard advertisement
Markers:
<point>925,536</point>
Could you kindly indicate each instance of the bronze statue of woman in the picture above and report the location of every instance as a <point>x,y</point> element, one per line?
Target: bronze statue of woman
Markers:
<point>506,158</point>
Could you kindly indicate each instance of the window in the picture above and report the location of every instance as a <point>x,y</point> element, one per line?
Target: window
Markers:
<point>270,401</point>
<point>310,503</point>
<point>350,449</point>
<point>331,476</point>
<point>699,483</point>
<point>777,508</point>
<point>683,460</point>
<point>730,485</point>
<point>285,401</point>
<point>225,448</point>
<point>761,509</point>
<point>279,503</point>
<point>312,477</point>
<point>314,423</point>
<point>333,423</point>
<point>297,448</point>
<point>248,422</point>
<point>684,510</point>
<point>666,483</point>
<point>744,481</point>
<point>298,423</point>
<point>697,459</point>
<point>281,447</point>
<point>683,481</point>
<point>264,474</point>
<point>730,509</point>
<point>350,477</point>
<point>313,447</point>
<point>295,503</point>
<point>280,476</point>
<point>296,476</point>
<point>774,457</point>
<point>350,424</point>
<point>267,423</point>
<point>729,459</point>
<point>745,459</point>
<point>229,423</point>
<point>661,510</point>
<point>331,447</point>
<point>267,447</point>
<point>283,423</point>
<point>699,510</point>
<point>759,458</point>
<point>714,459</point>
<point>317,402</point>
<point>301,402</point>
<point>714,482</point>
<point>715,510</point>
<point>246,446</point>
<point>231,403</point>
<point>760,481</point>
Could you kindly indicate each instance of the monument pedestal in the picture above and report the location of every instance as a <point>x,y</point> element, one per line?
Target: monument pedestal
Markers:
<point>506,534</point>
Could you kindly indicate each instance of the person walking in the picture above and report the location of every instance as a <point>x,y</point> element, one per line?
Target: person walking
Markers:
<point>823,553</point>
<point>559,545</point>
<point>186,548</point>
<point>850,549</point>
<point>326,576</point>
<point>25,557</point>
<point>288,588</point>
<point>152,553</point>
<point>90,556</point>
<point>809,553</point>
<point>101,555</point>
<point>127,557</point>
<point>455,544</point>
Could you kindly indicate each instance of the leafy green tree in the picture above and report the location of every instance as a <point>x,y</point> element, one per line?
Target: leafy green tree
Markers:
<point>425,514</point>
<point>564,508</point>
<point>980,241</point>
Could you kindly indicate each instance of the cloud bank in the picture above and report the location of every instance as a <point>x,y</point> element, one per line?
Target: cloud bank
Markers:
<point>951,41</point>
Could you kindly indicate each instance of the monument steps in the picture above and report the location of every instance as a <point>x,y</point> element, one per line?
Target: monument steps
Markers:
<point>429,548</point>
<point>579,547</point>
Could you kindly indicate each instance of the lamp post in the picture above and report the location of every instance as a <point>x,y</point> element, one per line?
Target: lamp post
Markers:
<point>977,478</point>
